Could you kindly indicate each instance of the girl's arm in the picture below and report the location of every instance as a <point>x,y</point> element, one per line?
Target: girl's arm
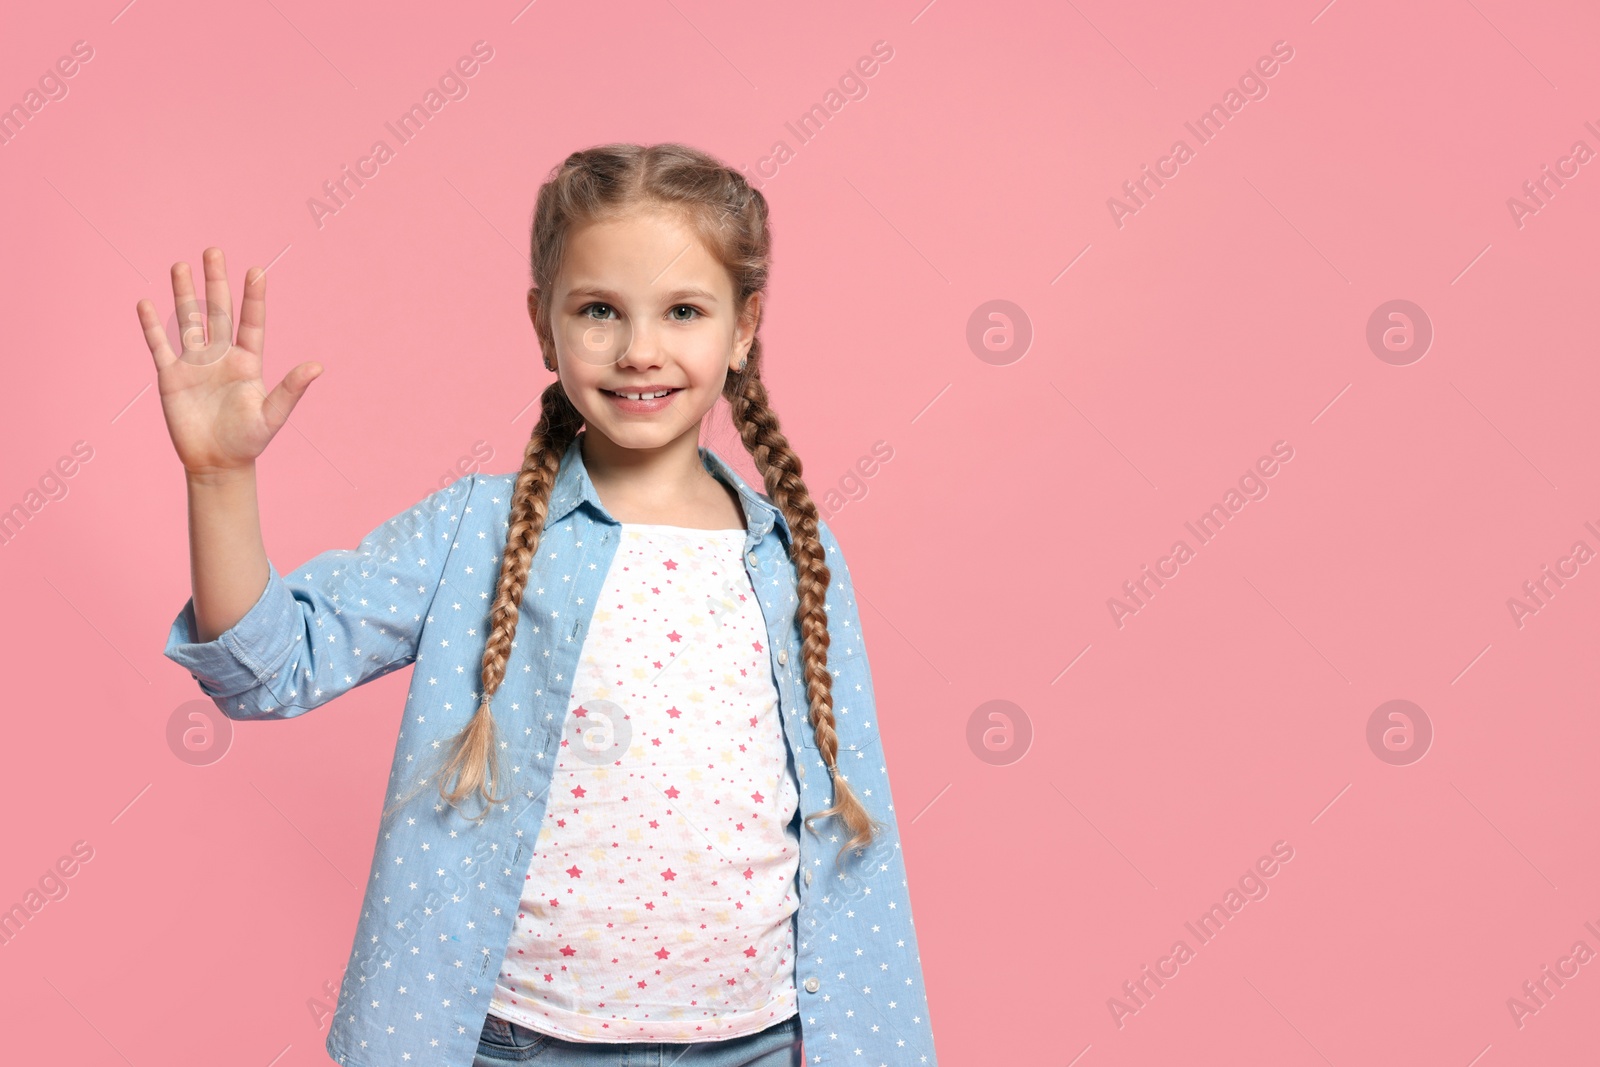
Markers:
<point>220,418</point>
<point>260,644</point>
<point>227,559</point>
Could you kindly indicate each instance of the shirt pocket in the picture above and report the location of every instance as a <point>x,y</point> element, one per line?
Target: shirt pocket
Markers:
<point>803,731</point>
<point>792,701</point>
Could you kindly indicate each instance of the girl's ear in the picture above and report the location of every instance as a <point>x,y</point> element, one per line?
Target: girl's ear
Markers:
<point>533,316</point>
<point>749,319</point>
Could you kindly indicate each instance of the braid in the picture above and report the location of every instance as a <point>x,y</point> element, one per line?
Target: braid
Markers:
<point>780,467</point>
<point>472,756</point>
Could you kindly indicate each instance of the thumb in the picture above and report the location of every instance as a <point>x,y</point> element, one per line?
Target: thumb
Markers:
<point>281,401</point>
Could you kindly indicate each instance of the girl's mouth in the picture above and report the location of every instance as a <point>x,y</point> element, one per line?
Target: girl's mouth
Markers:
<point>642,402</point>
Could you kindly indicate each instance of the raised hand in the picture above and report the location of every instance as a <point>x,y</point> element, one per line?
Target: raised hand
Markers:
<point>219,415</point>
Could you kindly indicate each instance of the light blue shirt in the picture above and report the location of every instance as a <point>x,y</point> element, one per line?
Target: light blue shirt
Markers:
<point>444,888</point>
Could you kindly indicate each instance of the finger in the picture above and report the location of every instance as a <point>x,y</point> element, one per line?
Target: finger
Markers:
<point>219,301</point>
<point>253,311</point>
<point>281,401</point>
<point>155,335</point>
<point>191,323</point>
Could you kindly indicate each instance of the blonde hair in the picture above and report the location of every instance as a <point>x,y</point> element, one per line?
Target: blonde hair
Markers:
<point>731,219</point>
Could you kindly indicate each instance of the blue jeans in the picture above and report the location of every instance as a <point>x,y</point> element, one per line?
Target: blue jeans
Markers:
<point>504,1042</point>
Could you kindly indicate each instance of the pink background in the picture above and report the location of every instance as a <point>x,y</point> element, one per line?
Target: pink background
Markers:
<point>1230,312</point>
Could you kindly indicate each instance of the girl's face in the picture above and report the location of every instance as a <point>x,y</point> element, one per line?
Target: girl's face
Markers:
<point>642,307</point>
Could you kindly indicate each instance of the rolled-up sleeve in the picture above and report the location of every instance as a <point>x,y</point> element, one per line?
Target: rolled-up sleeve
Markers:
<point>342,618</point>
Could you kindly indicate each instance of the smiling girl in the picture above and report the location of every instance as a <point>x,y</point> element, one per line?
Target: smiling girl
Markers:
<point>627,660</point>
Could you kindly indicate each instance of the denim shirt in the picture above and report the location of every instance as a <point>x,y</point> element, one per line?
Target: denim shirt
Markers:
<point>444,888</point>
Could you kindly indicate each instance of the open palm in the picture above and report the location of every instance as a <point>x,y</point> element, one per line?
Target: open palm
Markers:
<point>219,414</point>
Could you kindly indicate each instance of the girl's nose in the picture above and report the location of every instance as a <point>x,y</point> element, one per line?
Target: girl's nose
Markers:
<point>642,348</point>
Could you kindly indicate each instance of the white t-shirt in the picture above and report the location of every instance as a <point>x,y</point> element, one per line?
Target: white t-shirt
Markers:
<point>658,903</point>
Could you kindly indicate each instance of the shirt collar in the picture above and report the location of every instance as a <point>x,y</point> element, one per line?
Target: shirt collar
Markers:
<point>573,487</point>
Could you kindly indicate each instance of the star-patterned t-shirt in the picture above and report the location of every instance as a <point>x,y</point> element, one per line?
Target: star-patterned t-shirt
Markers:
<point>658,903</point>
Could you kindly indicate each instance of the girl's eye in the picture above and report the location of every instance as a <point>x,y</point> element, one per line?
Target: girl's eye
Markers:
<point>607,311</point>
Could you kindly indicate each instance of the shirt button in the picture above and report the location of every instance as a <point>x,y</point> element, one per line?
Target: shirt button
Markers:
<point>812,985</point>
<point>783,655</point>
<point>752,558</point>
<point>808,878</point>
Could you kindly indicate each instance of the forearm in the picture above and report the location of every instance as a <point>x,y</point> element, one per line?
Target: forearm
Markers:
<point>227,558</point>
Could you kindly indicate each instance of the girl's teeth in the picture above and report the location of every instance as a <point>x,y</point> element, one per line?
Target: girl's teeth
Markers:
<point>645,396</point>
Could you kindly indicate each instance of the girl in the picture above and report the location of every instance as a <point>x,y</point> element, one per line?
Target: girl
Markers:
<point>636,671</point>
